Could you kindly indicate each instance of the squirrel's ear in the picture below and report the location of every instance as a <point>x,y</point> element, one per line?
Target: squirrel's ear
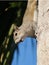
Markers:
<point>16,27</point>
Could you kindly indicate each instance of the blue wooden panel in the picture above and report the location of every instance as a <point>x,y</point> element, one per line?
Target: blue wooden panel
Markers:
<point>25,54</point>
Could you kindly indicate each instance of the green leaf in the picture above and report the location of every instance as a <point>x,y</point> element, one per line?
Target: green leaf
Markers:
<point>13,4</point>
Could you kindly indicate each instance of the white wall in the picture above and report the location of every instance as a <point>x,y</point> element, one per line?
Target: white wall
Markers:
<point>43,33</point>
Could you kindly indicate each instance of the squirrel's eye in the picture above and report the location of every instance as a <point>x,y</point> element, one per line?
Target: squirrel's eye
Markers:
<point>16,34</point>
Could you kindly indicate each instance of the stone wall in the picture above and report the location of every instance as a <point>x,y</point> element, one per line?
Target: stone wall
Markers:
<point>43,33</point>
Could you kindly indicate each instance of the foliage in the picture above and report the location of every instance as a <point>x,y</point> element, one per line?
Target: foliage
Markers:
<point>11,14</point>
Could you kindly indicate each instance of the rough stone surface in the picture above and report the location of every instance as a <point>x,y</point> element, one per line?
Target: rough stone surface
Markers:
<point>43,33</point>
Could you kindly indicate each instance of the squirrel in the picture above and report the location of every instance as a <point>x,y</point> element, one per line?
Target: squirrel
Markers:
<point>28,27</point>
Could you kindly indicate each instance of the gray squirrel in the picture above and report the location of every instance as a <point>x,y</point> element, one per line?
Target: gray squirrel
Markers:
<point>28,27</point>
